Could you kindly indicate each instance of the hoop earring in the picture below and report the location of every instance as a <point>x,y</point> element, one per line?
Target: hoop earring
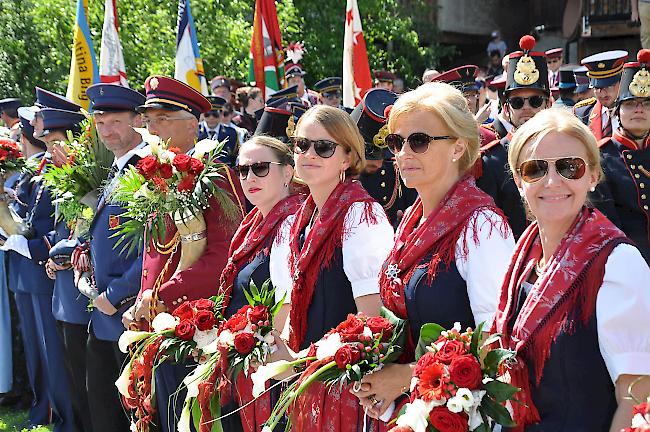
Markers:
<point>342,176</point>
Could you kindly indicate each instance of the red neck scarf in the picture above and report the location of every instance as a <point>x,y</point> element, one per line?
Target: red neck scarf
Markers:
<point>256,233</point>
<point>629,143</point>
<point>326,235</point>
<point>438,235</point>
<point>562,296</point>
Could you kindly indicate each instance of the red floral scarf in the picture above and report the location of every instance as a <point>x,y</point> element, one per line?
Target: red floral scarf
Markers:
<point>326,235</point>
<point>438,235</point>
<point>563,295</point>
<point>256,233</point>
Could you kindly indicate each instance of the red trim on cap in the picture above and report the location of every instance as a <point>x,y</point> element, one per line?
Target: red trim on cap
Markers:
<point>277,110</point>
<point>518,54</point>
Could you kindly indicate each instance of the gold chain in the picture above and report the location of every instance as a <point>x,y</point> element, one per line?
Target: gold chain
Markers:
<point>167,248</point>
<point>159,282</point>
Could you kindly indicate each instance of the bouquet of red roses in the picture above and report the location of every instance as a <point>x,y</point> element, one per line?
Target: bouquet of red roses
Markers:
<point>358,346</point>
<point>641,419</point>
<point>11,158</point>
<point>190,331</point>
<point>169,183</point>
<point>458,383</point>
<point>243,339</point>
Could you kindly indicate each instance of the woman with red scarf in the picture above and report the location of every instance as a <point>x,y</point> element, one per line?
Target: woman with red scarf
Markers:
<point>624,196</point>
<point>332,255</point>
<point>574,303</point>
<point>265,168</point>
<point>453,244</point>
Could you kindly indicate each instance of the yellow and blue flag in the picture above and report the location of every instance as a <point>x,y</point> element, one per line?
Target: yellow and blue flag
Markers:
<point>83,66</point>
<point>189,65</point>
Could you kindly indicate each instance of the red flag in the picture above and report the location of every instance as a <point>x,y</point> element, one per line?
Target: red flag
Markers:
<point>356,71</point>
<point>267,56</point>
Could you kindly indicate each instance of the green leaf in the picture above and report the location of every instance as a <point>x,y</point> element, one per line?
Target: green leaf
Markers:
<point>476,337</point>
<point>494,358</point>
<point>497,412</point>
<point>429,333</point>
<point>500,391</point>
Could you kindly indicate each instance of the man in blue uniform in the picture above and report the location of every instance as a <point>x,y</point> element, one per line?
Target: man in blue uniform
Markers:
<point>330,90</point>
<point>116,275</point>
<point>604,72</point>
<point>9,115</point>
<point>212,128</point>
<point>566,86</point>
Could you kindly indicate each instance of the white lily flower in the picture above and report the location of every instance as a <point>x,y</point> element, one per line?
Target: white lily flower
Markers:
<point>147,137</point>
<point>203,147</point>
<point>475,418</point>
<point>328,346</point>
<point>184,422</point>
<point>129,337</point>
<point>416,415</point>
<point>211,348</point>
<point>265,373</point>
<point>122,382</point>
<point>164,321</point>
<point>143,192</point>
<point>193,380</point>
<point>204,338</point>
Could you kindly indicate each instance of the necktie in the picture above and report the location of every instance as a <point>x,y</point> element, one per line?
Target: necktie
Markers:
<point>607,125</point>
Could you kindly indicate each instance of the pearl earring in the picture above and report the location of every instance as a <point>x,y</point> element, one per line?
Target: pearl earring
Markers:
<point>453,160</point>
<point>593,189</point>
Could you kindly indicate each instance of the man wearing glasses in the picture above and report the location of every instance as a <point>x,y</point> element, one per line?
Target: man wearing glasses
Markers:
<point>527,93</point>
<point>554,62</point>
<point>604,72</point>
<point>214,127</point>
<point>329,90</point>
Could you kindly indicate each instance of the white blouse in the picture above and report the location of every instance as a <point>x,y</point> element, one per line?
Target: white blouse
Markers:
<point>485,264</point>
<point>365,248</point>
<point>622,311</point>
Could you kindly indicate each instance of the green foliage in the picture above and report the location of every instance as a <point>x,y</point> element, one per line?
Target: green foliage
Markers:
<point>15,421</point>
<point>37,38</point>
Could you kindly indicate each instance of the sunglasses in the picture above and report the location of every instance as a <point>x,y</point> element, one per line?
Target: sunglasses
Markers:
<point>571,168</point>
<point>323,148</point>
<point>260,169</point>
<point>534,101</point>
<point>418,141</point>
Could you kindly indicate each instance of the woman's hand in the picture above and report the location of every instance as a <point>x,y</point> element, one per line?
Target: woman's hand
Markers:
<point>381,388</point>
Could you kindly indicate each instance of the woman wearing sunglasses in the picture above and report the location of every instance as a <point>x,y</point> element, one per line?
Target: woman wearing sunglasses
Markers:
<point>265,168</point>
<point>624,196</point>
<point>332,255</point>
<point>453,244</point>
<point>573,305</point>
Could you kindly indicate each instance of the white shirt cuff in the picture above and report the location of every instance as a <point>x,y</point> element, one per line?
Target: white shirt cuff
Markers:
<point>636,363</point>
<point>18,244</point>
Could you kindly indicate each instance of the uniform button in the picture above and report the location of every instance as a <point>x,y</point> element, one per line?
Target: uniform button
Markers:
<point>148,249</point>
<point>174,302</point>
<point>632,166</point>
<point>642,185</point>
<point>643,196</point>
<point>636,176</point>
<point>184,297</point>
<point>144,273</point>
<point>629,156</point>
<point>383,184</point>
<point>385,198</point>
<point>383,172</point>
<point>645,207</point>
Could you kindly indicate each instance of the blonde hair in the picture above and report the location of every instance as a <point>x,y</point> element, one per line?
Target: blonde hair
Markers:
<point>342,129</point>
<point>450,106</point>
<point>553,120</point>
<point>281,150</point>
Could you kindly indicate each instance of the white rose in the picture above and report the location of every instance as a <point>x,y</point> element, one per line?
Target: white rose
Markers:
<point>455,404</point>
<point>164,321</point>
<point>204,338</point>
<point>328,346</point>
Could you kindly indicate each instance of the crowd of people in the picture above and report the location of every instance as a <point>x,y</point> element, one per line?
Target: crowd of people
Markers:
<point>502,202</point>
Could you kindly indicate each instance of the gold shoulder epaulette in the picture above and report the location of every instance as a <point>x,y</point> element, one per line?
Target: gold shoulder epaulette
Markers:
<point>585,102</point>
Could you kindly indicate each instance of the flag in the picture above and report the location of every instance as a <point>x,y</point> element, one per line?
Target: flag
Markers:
<point>266,57</point>
<point>83,66</point>
<point>356,71</point>
<point>111,60</point>
<point>189,65</point>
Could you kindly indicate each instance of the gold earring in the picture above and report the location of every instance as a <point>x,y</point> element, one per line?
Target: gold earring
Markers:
<point>342,176</point>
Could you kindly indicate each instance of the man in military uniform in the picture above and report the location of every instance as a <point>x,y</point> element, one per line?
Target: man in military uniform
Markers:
<point>526,94</point>
<point>380,176</point>
<point>116,275</point>
<point>583,90</point>
<point>294,74</point>
<point>554,63</point>
<point>464,79</point>
<point>604,72</point>
<point>384,79</point>
<point>330,90</point>
<point>566,86</point>
<point>171,111</point>
<point>221,87</point>
<point>279,112</point>
<point>9,115</point>
<point>211,127</point>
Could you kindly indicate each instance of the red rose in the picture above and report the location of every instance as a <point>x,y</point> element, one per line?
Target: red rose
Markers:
<point>184,312</point>
<point>244,343</point>
<point>204,320</point>
<point>196,166</point>
<point>182,162</point>
<point>166,171</point>
<point>380,325</point>
<point>642,408</point>
<point>203,304</point>
<point>446,421</point>
<point>258,313</point>
<point>237,322</point>
<point>185,330</point>
<point>425,361</point>
<point>433,382</point>
<point>3,153</point>
<point>346,355</point>
<point>147,166</point>
<point>187,183</point>
<point>350,329</point>
<point>465,371</point>
<point>450,350</point>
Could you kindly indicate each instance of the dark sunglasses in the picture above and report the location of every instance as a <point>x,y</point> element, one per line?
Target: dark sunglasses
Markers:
<point>517,102</point>
<point>571,168</point>
<point>212,114</point>
<point>323,148</point>
<point>418,141</point>
<point>260,169</point>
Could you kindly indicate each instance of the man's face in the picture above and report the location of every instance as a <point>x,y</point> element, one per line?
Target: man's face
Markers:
<point>297,80</point>
<point>495,60</point>
<point>332,99</point>
<point>554,64</point>
<point>607,95</point>
<point>472,97</point>
<point>388,85</point>
<point>115,129</point>
<point>223,92</point>
<point>177,127</point>
<point>37,122</point>
<point>523,104</point>
<point>212,118</point>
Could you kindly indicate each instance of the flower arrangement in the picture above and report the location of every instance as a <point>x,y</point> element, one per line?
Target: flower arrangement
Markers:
<point>190,331</point>
<point>169,183</point>
<point>358,346</point>
<point>75,185</point>
<point>458,383</point>
<point>641,411</point>
<point>11,158</point>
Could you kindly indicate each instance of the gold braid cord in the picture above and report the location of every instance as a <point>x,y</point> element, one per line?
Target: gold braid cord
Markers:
<point>167,249</point>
